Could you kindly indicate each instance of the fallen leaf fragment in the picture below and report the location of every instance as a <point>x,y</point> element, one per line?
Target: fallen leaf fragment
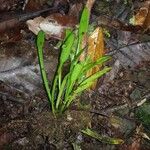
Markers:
<point>90,4</point>
<point>34,25</point>
<point>103,139</point>
<point>53,25</point>
<point>142,18</point>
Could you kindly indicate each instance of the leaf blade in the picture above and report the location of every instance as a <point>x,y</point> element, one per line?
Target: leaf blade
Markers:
<point>101,138</point>
<point>96,75</point>
<point>66,47</point>
<point>40,45</point>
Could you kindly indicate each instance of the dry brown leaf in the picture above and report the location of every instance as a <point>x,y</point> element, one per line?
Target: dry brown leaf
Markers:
<point>146,24</point>
<point>53,25</point>
<point>95,49</point>
<point>135,145</point>
<point>142,18</point>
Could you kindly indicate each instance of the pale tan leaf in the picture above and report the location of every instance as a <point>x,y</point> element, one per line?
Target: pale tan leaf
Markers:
<point>90,4</point>
<point>142,18</point>
<point>95,49</point>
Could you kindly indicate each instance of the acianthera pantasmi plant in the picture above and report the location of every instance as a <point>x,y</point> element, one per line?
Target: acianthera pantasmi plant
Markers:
<point>65,88</point>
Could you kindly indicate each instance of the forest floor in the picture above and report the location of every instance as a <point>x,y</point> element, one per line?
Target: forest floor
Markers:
<point>118,107</point>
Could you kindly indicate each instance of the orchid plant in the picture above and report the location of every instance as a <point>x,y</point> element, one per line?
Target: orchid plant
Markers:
<point>65,88</point>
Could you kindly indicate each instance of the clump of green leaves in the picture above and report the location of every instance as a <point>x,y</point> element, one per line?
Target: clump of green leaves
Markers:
<point>65,88</point>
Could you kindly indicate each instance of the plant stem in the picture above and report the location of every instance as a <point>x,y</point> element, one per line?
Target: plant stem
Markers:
<point>62,89</point>
<point>54,92</point>
<point>59,79</point>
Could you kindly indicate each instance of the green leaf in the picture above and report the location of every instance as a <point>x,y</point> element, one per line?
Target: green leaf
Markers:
<point>100,61</point>
<point>76,58</point>
<point>101,138</point>
<point>76,72</point>
<point>62,87</point>
<point>95,76</point>
<point>40,41</point>
<point>83,87</point>
<point>84,22</point>
<point>40,44</point>
<point>83,27</point>
<point>66,47</point>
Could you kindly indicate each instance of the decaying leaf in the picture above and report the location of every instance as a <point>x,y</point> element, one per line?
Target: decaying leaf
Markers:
<point>146,24</point>
<point>34,25</point>
<point>95,49</point>
<point>53,25</point>
<point>104,139</point>
<point>142,18</point>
